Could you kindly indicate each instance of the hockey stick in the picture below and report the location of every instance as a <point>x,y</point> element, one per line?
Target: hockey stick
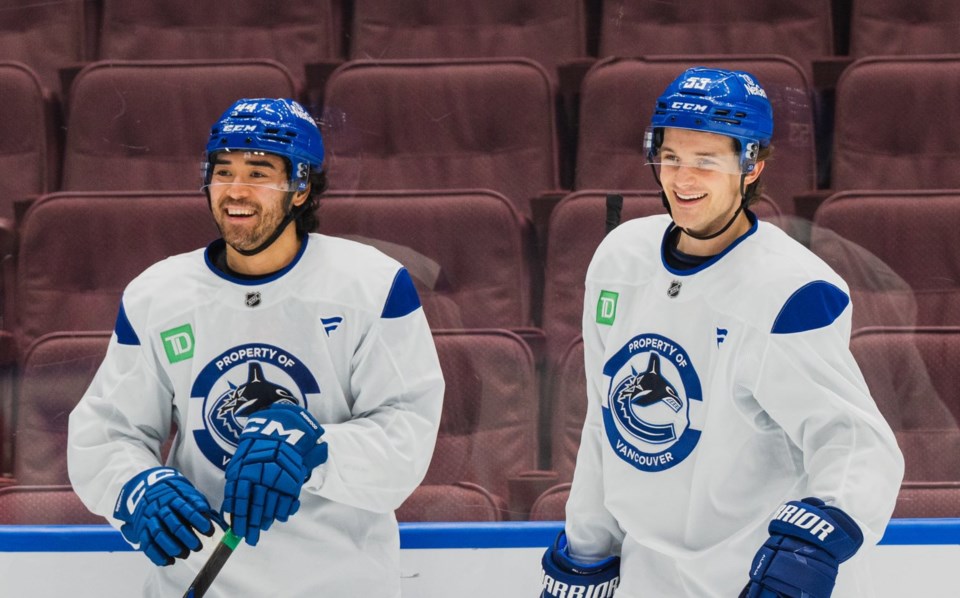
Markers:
<point>201,583</point>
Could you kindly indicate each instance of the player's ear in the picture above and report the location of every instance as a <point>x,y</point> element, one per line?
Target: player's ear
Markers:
<point>301,196</point>
<point>753,176</point>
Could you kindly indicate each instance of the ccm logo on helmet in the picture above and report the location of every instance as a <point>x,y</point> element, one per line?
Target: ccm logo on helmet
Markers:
<point>688,106</point>
<point>238,128</point>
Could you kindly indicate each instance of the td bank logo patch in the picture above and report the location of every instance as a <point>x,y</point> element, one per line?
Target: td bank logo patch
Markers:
<point>178,343</point>
<point>607,307</point>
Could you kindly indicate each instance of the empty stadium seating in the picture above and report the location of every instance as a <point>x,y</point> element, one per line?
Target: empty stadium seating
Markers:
<point>44,505</point>
<point>488,426</point>
<point>467,251</point>
<point>28,152</point>
<point>895,126</point>
<point>292,32</point>
<point>898,253</point>
<point>617,101</point>
<point>546,31</point>
<point>142,125</point>
<point>799,29</point>
<point>884,27</point>
<point>78,251</point>
<point>444,124</point>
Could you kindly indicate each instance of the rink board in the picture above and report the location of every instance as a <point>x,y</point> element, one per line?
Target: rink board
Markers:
<point>917,557</point>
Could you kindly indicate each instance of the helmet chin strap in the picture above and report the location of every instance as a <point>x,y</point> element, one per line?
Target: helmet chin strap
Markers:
<point>736,214</point>
<point>292,215</point>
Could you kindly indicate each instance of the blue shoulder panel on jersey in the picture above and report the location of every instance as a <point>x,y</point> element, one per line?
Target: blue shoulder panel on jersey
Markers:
<point>814,305</point>
<point>403,297</point>
<point>124,331</point>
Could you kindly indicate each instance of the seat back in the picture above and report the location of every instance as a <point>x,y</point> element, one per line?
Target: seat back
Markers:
<point>894,125</point>
<point>144,125</point>
<point>79,250</point>
<point>617,101</point>
<point>884,27</point>
<point>912,376</point>
<point>46,36</point>
<point>44,505</point>
<point>28,154</point>
<point>292,32</point>
<point>800,29</point>
<point>460,501</point>
<point>57,369</point>
<point>897,251</point>
<point>444,124</point>
<point>467,251</point>
<point>546,31</point>
<point>488,429</point>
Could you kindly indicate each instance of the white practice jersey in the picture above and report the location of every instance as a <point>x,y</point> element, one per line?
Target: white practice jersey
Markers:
<point>341,329</point>
<point>716,394</point>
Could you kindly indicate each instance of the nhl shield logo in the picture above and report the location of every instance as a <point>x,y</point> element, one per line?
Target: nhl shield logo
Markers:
<point>253,299</point>
<point>674,289</point>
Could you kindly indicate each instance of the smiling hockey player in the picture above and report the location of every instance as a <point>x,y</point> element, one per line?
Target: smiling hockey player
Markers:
<point>298,370</point>
<point>731,446</point>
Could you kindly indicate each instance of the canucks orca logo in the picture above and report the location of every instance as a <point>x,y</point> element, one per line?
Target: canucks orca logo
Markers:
<point>653,403</point>
<point>238,383</point>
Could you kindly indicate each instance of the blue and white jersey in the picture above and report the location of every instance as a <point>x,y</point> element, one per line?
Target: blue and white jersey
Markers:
<point>339,331</point>
<point>716,394</point>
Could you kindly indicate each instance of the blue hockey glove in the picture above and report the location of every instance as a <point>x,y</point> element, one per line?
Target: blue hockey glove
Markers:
<point>161,509</point>
<point>276,454</point>
<point>564,577</point>
<point>808,541</point>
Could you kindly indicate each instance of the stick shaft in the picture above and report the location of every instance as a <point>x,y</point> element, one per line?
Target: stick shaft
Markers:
<point>201,583</point>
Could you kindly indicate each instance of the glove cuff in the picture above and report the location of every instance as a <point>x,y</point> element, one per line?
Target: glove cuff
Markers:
<point>813,522</point>
<point>132,492</point>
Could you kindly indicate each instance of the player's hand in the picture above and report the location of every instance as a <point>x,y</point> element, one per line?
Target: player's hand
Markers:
<point>278,450</point>
<point>161,509</point>
<point>808,541</point>
<point>563,576</point>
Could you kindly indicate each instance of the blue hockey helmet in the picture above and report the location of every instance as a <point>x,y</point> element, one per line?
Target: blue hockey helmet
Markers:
<point>278,126</point>
<point>730,103</point>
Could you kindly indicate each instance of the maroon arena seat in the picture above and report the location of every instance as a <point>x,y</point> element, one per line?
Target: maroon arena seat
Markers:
<point>292,32</point>
<point>576,228</point>
<point>800,29</point>
<point>617,101</point>
<point>567,406</point>
<point>44,505</point>
<point>467,251</point>
<point>28,153</point>
<point>488,429</point>
<point>57,370</point>
<point>912,375</point>
<point>78,251</point>
<point>895,125</point>
<point>444,124</point>
<point>546,31</point>
<point>460,501</point>
<point>883,27</point>
<point>928,499</point>
<point>144,125</point>
<point>552,504</point>
<point>897,251</point>
<point>47,36</point>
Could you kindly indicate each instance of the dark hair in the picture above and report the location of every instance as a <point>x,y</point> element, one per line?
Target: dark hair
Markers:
<point>307,221</point>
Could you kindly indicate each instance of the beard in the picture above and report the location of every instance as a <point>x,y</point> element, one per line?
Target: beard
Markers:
<point>244,236</point>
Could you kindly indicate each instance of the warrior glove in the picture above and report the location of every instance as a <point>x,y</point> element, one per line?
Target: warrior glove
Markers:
<point>564,577</point>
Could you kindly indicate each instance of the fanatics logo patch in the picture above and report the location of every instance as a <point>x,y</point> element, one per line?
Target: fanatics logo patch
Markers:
<point>178,343</point>
<point>607,307</point>
<point>253,299</point>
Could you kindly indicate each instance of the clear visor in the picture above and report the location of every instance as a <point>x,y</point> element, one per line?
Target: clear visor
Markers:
<point>258,171</point>
<point>707,162</point>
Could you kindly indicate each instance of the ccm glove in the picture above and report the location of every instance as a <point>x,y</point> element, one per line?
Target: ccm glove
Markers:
<point>161,509</point>
<point>564,577</point>
<point>808,541</point>
<point>276,454</point>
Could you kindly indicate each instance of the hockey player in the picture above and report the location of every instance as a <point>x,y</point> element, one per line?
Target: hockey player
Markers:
<point>731,446</point>
<point>298,370</point>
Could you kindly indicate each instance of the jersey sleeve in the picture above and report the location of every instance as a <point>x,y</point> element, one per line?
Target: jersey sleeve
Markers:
<point>811,386</point>
<point>592,532</point>
<point>380,455</point>
<point>117,429</point>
